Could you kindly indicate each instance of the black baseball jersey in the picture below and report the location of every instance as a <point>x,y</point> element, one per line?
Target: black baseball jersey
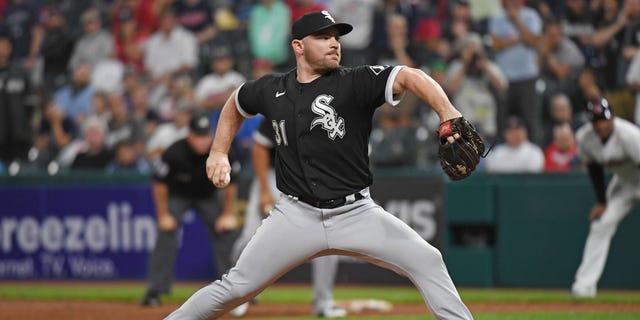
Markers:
<point>321,128</point>
<point>17,105</point>
<point>184,171</point>
<point>265,136</point>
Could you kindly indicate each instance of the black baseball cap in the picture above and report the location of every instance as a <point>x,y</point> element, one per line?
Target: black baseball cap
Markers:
<point>515,122</point>
<point>200,123</point>
<point>315,21</point>
<point>599,109</point>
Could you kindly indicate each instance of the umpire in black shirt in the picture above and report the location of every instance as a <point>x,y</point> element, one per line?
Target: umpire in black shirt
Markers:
<point>181,183</point>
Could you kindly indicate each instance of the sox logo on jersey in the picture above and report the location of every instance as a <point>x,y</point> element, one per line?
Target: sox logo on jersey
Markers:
<point>328,118</point>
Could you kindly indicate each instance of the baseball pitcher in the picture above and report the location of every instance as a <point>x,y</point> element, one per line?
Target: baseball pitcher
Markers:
<point>322,114</point>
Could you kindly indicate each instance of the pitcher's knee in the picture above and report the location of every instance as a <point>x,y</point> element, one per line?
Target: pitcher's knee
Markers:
<point>235,290</point>
<point>238,288</point>
<point>430,256</point>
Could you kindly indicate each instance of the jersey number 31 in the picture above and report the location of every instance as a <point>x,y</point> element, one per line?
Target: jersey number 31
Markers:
<point>280,132</point>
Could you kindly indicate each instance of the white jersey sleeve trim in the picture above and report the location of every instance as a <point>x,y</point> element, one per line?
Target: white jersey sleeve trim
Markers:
<point>262,140</point>
<point>239,107</point>
<point>388,90</point>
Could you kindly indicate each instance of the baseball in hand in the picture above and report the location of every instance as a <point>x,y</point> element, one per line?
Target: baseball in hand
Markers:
<point>225,183</point>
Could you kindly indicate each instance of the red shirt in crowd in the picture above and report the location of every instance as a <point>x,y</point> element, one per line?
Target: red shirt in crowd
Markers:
<point>559,161</point>
<point>298,11</point>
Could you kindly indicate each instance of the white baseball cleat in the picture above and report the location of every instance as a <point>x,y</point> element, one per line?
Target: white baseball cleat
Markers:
<point>583,292</point>
<point>331,312</point>
<point>240,310</point>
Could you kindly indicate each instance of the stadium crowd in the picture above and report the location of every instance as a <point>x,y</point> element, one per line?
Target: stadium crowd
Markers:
<point>109,84</point>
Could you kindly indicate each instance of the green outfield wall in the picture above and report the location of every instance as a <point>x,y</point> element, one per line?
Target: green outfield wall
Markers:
<point>493,230</point>
<point>529,230</point>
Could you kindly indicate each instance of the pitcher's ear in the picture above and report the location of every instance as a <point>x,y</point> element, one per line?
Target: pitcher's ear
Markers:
<point>297,46</point>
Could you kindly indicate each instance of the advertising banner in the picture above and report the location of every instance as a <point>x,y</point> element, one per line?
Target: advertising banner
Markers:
<point>107,231</point>
<point>89,232</point>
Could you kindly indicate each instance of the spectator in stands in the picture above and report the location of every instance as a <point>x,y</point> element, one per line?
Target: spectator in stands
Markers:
<point>588,80</point>
<point>213,90</point>
<point>429,43</point>
<point>140,111</point>
<point>517,154</point>
<point>560,62</point>
<point>130,41</point>
<point>55,132</point>
<point>618,45</point>
<point>127,159</point>
<point>92,153</point>
<point>197,17</point>
<point>515,33</point>
<point>561,112</point>
<point>94,45</point>
<point>22,20</point>
<point>171,49</point>
<point>122,126</point>
<point>356,46</point>
<point>269,31</point>
<point>459,25</point>
<point>100,106</point>
<point>393,141</point>
<point>389,8</point>
<point>261,68</point>
<point>609,21</point>
<point>107,75</point>
<point>577,23</point>
<point>72,10</point>
<point>145,13</point>
<point>164,98</point>
<point>474,81</point>
<point>75,98</point>
<point>56,50</point>
<point>3,5</point>
<point>399,47</point>
<point>17,105</point>
<point>299,7</point>
<point>562,154</point>
<point>633,79</point>
<point>169,132</point>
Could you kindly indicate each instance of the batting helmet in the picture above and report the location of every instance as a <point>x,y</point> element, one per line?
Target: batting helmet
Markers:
<point>599,109</point>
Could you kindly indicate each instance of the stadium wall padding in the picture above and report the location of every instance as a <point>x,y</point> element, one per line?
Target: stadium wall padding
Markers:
<point>512,230</point>
<point>537,225</point>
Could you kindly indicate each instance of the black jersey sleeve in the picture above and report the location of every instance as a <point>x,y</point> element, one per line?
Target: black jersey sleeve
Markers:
<point>264,134</point>
<point>236,164</point>
<point>374,84</point>
<point>247,99</point>
<point>161,166</point>
<point>250,97</point>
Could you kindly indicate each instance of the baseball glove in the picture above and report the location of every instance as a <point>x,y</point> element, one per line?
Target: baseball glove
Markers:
<point>458,159</point>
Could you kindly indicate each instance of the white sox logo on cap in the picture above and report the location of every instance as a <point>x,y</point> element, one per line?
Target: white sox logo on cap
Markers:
<point>316,21</point>
<point>328,118</point>
<point>328,15</point>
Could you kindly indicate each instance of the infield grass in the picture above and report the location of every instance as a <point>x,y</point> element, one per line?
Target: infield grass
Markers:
<point>286,294</point>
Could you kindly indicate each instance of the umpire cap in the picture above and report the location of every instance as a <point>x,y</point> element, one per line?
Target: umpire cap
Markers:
<point>599,109</point>
<point>200,123</point>
<point>315,21</point>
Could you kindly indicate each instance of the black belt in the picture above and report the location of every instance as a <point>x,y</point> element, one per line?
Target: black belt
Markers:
<point>332,203</point>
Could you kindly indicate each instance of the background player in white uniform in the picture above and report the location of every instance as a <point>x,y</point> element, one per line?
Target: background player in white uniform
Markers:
<point>613,143</point>
<point>322,116</point>
<point>262,196</point>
